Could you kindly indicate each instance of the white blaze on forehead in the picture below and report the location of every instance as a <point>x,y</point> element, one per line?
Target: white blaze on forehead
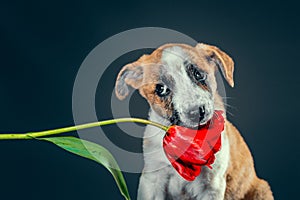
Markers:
<point>174,57</point>
<point>186,94</point>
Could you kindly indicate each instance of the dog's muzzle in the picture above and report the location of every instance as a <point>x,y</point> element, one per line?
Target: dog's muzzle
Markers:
<point>196,114</point>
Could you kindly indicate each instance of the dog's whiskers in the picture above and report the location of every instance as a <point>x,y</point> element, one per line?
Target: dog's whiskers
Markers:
<point>229,113</point>
<point>227,97</point>
<point>216,114</point>
<point>230,106</point>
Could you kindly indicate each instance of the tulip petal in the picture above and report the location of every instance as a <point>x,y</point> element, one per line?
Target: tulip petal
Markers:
<point>188,149</point>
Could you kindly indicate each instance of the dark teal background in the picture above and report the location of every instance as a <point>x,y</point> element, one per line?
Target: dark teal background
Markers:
<point>43,44</point>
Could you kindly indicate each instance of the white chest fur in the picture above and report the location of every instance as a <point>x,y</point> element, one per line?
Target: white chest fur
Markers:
<point>160,181</point>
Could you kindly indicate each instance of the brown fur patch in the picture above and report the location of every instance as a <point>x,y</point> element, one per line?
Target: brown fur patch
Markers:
<point>162,106</point>
<point>204,87</point>
<point>242,182</point>
<point>224,61</point>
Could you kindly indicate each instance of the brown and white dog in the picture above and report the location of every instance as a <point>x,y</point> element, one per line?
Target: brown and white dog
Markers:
<point>179,83</point>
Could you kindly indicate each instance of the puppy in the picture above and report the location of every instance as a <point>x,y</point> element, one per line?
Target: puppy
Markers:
<point>179,83</point>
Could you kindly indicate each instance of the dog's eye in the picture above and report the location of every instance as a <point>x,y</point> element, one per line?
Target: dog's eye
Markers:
<point>199,76</point>
<point>162,90</point>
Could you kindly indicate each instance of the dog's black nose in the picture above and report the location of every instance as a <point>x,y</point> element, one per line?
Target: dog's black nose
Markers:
<point>197,114</point>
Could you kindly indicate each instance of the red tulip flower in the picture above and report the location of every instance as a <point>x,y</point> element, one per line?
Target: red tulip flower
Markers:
<point>188,149</point>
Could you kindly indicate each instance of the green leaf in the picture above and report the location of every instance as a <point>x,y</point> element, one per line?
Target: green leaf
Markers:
<point>98,154</point>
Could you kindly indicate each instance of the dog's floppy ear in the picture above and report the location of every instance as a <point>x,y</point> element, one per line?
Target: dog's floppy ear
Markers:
<point>130,75</point>
<point>223,61</point>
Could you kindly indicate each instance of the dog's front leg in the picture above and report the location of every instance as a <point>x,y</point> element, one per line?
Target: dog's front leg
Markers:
<point>152,186</point>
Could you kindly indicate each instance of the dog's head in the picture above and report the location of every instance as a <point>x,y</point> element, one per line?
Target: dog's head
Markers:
<point>178,81</point>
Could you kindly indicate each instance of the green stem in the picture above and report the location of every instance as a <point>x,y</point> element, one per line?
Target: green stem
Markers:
<point>31,135</point>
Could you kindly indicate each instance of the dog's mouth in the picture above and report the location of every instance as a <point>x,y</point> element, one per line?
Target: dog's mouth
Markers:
<point>195,124</point>
<point>198,126</point>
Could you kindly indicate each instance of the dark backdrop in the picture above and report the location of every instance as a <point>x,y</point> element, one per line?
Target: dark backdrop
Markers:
<point>44,42</point>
